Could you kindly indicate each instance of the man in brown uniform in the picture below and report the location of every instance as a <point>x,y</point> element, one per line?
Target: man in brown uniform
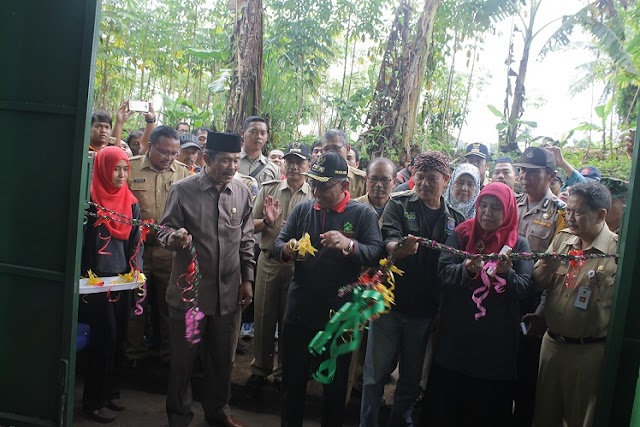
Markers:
<point>336,140</point>
<point>273,205</point>
<point>212,210</point>
<point>541,217</point>
<point>578,308</point>
<point>150,177</point>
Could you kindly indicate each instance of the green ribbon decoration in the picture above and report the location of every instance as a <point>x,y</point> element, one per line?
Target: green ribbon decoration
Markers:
<point>344,324</point>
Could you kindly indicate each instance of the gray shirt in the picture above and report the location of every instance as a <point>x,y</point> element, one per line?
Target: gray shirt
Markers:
<point>221,225</point>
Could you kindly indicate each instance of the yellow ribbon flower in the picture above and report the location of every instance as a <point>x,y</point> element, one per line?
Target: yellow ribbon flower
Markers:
<point>93,279</point>
<point>130,277</point>
<point>303,246</point>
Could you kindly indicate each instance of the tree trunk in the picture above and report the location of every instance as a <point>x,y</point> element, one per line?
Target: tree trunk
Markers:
<point>517,106</point>
<point>245,92</point>
<point>391,121</point>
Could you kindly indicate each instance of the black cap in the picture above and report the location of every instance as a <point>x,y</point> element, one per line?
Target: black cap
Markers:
<point>299,150</point>
<point>617,187</point>
<point>329,165</point>
<point>225,142</point>
<point>188,140</point>
<point>536,158</point>
<point>478,149</point>
<point>591,173</point>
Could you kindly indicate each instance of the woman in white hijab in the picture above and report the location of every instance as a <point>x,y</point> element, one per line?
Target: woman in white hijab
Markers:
<point>463,190</point>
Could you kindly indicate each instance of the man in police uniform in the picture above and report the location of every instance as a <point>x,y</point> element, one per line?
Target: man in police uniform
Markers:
<point>336,140</point>
<point>478,155</point>
<point>150,178</point>
<point>273,205</point>
<point>541,217</point>
<point>578,309</point>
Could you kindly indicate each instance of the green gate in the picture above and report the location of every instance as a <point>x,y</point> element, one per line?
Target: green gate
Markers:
<point>622,354</point>
<point>46,85</point>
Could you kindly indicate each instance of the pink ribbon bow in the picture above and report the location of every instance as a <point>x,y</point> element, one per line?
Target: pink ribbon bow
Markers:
<point>481,293</point>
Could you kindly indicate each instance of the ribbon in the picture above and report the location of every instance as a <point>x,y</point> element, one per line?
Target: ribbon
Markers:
<point>303,246</point>
<point>343,330</point>
<point>489,280</point>
<point>192,319</point>
<point>94,280</point>
<point>575,265</point>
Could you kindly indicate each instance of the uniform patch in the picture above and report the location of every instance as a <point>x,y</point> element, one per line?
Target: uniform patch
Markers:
<point>139,180</point>
<point>542,223</point>
<point>347,227</point>
<point>411,216</point>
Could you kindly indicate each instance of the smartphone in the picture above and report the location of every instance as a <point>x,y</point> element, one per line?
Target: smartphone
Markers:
<point>141,106</point>
<point>524,328</point>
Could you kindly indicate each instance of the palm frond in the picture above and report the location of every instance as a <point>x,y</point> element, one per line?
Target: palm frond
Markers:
<point>610,37</point>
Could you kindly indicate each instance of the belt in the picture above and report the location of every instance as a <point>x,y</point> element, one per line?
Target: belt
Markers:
<point>568,340</point>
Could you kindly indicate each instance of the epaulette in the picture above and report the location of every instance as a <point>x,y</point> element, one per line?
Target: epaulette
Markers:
<point>401,194</point>
<point>357,171</point>
<point>559,203</point>
<point>271,182</point>
<point>138,157</point>
<point>176,162</point>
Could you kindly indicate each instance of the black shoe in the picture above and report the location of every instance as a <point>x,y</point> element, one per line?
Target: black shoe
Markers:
<point>242,348</point>
<point>254,384</point>
<point>102,415</point>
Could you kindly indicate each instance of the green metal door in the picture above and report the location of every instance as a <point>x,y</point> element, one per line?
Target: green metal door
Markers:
<point>46,88</point>
<point>622,354</point>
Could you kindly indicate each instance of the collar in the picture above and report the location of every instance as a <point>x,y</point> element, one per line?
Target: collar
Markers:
<point>367,201</point>
<point>306,188</point>
<point>146,163</point>
<point>206,182</point>
<point>600,243</point>
<point>340,207</point>
<point>262,158</point>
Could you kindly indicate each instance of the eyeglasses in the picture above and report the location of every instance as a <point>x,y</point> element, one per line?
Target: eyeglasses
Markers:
<point>167,154</point>
<point>322,187</point>
<point>375,180</point>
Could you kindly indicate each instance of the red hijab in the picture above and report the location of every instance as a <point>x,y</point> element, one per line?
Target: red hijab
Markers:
<point>104,193</point>
<point>470,233</point>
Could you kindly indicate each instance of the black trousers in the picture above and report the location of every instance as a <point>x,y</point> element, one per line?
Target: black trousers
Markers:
<point>108,323</point>
<point>296,369</point>
<point>215,347</point>
<point>524,394</point>
<point>457,400</point>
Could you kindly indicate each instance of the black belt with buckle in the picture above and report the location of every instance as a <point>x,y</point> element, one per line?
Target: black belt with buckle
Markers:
<point>568,340</point>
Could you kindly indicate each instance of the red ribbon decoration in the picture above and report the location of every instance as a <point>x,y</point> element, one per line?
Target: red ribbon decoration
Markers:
<point>574,267</point>
<point>145,228</point>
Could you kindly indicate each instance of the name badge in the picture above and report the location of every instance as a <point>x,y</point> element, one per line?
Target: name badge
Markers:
<point>583,297</point>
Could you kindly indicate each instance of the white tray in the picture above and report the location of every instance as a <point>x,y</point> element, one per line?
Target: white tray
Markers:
<point>108,284</point>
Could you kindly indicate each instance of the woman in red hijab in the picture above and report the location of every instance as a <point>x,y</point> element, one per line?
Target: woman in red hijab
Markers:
<point>110,248</point>
<point>476,347</point>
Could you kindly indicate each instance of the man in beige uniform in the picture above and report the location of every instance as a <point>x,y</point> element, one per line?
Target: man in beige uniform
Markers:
<point>336,140</point>
<point>578,308</point>
<point>381,178</point>
<point>150,178</point>
<point>255,133</point>
<point>273,205</point>
<point>541,217</point>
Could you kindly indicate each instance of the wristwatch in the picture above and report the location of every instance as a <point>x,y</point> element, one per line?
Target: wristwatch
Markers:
<point>349,249</point>
<point>264,221</point>
<point>153,120</point>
